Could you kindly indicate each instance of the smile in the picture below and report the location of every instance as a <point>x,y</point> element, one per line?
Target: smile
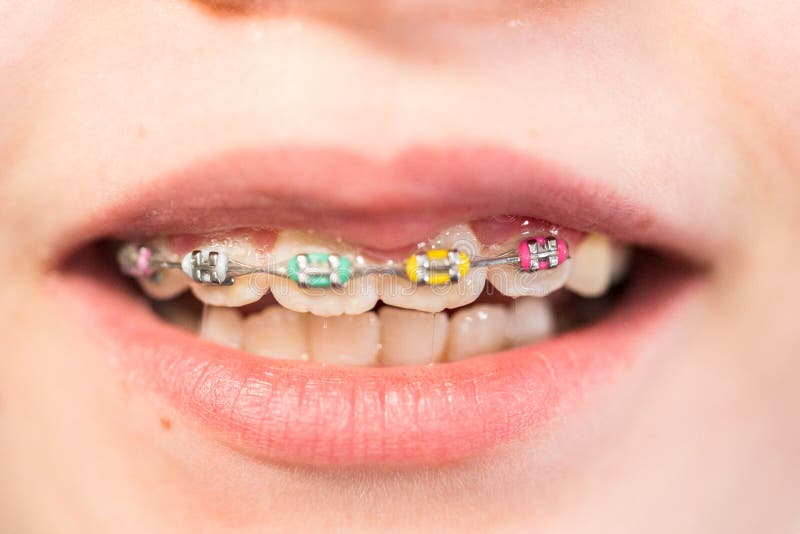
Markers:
<point>351,316</point>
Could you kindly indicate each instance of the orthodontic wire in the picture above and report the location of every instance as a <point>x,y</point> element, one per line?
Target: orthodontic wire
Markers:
<point>328,270</point>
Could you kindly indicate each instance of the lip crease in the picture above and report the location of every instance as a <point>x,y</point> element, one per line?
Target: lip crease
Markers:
<point>327,415</point>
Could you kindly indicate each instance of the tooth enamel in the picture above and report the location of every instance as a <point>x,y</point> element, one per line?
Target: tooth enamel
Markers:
<point>245,289</point>
<point>345,339</point>
<point>479,329</point>
<point>401,293</point>
<point>410,337</point>
<point>592,265</point>
<point>512,282</point>
<point>276,333</point>
<point>359,295</point>
<point>166,285</point>
<point>530,319</point>
<point>222,326</point>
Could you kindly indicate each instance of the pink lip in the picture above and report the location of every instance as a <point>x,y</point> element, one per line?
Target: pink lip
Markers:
<point>301,412</point>
<point>313,414</point>
<point>381,204</point>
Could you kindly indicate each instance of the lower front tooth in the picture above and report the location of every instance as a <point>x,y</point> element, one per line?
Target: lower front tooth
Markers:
<point>476,330</point>
<point>592,266</point>
<point>222,326</point>
<point>530,319</point>
<point>276,333</point>
<point>410,337</point>
<point>344,339</point>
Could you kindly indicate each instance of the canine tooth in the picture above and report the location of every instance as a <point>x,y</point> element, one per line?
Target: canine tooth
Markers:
<point>402,293</point>
<point>359,295</point>
<point>222,326</point>
<point>245,289</point>
<point>167,284</point>
<point>477,330</point>
<point>530,319</point>
<point>410,337</point>
<point>592,266</point>
<point>276,333</point>
<point>345,339</point>
<point>512,282</point>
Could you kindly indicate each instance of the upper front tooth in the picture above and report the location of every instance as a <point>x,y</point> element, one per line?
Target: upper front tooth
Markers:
<point>345,340</point>
<point>402,293</point>
<point>592,266</point>
<point>410,337</point>
<point>479,329</point>
<point>360,294</point>
<point>222,326</point>
<point>245,289</point>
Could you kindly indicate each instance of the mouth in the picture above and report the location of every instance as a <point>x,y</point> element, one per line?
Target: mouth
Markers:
<point>382,363</point>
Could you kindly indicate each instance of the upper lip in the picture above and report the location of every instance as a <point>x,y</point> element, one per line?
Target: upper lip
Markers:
<point>304,412</point>
<point>382,204</point>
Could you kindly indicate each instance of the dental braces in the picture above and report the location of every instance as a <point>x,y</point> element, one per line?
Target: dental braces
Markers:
<point>433,267</point>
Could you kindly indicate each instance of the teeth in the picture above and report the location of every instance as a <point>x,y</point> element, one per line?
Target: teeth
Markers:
<point>530,319</point>
<point>592,266</point>
<point>245,289</point>
<point>512,282</point>
<point>345,340</point>
<point>358,296</point>
<point>167,285</point>
<point>276,333</point>
<point>222,326</point>
<point>402,293</point>
<point>411,337</point>
<point>477,330</point>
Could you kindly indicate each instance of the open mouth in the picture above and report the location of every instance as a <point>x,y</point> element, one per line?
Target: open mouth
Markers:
<point>364,322</point>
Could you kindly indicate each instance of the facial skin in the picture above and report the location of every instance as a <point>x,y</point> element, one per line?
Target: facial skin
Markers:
<point>689,107</point>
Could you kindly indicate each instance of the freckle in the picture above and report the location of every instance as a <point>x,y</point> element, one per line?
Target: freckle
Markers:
<point>166,424</point>
<point>141,132</point>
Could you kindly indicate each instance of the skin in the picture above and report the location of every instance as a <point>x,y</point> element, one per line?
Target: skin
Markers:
<point>692,103</point>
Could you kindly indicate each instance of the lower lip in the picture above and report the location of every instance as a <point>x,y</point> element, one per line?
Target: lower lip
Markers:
<point>324,415</point>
